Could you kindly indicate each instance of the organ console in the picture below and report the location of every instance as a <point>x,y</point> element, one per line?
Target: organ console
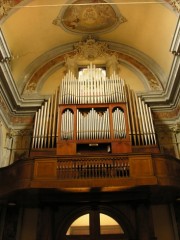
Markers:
<point>93,113</point>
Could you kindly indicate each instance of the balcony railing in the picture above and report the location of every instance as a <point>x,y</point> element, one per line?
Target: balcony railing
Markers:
<point>116,171</point>
<point>84,168</point>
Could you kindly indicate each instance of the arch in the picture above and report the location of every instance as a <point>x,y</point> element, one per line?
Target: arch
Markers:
<point>150,74</point>
<point>121,219</point>
<point>112,212</point>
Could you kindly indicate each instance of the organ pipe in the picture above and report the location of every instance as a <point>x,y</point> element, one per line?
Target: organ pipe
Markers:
<point>45,125</point>
<point>93,87</point>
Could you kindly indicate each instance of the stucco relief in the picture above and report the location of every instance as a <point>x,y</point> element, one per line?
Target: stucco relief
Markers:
<point>175,4</point>
<point>82,17</point>
<point>90,49</point>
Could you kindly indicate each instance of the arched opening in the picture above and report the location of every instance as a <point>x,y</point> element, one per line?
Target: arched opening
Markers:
<point>94,224</point>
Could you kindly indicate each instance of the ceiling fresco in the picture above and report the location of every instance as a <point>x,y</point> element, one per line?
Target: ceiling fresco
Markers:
<point>83,18</point>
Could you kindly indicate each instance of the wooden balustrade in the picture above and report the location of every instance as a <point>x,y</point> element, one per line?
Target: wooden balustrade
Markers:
<point>125,171</point>
<point>84,168</point>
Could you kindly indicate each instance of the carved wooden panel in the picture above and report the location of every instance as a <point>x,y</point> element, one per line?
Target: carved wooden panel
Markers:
<point>141,166</point>
<point>45,168</point>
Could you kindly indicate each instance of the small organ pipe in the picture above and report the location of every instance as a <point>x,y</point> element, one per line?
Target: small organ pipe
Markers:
<point>120,120</point>
<point>77,125</point>
<point>146,123</point>
<point>115,124</point>
<point>38,128</point>
<point>139,117</point>
<point>34,131</point>
<point>43,125</point>
<point>54,118</point>
<point>123,125</point>
<point>131,115</point>
<point>135,117</point>
<point>152,126</point>
<point>47,122</point>
<point>142,121</point>
<point>50,122</point>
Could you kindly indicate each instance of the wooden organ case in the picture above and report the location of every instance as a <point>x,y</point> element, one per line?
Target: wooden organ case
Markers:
<point>93,114</point>
<point>93,128</point>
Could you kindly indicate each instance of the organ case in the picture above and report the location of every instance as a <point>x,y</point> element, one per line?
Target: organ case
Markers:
<point>93,128</point>
<point>93,113</point>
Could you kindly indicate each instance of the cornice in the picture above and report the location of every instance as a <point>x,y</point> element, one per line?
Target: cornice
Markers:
<point>175,46</point>
<point>170,97</point>
<point>15,102</point>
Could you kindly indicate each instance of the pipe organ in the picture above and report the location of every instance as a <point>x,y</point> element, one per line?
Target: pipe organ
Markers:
<point>93,113</point>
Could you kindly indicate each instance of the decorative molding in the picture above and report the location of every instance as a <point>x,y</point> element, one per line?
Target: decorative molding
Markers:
<point>96,16</point>
<point>5,6</point>
<point>90,49</point>
<point>170,98</point>
<point>166,115</point>
<point>10,94</point>
<point>175,128</point>
<point>175,46</point>
<point>175,4</point>
<point>10,119</point>
<point>5,55</point>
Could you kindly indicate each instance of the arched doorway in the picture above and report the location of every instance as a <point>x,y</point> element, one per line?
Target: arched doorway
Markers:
<point>93,224</point>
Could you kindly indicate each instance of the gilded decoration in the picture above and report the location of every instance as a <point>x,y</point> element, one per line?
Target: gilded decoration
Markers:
<point>175,4</point>
<point>90,16</point>
<point>91,49</point>
<point>6,5</point>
